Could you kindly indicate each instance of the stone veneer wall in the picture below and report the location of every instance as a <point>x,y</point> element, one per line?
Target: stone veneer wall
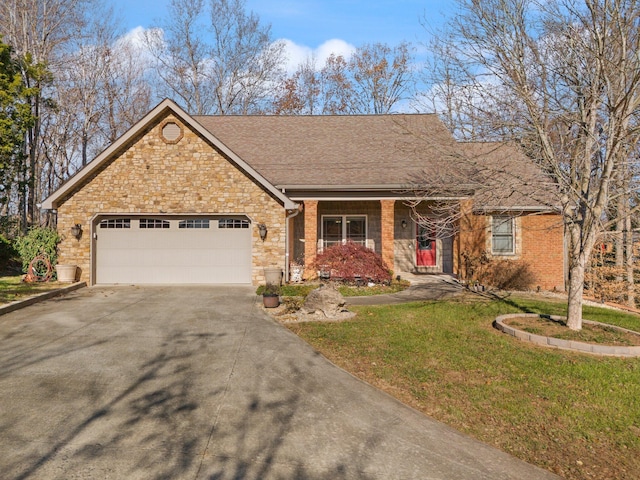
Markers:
<point>189,176</point>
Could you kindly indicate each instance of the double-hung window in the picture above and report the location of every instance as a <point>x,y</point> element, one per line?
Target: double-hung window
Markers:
<point>502,235</point>
<point>338,229</point>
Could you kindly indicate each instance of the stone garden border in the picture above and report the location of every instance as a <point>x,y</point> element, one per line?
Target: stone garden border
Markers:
<point>593,349</point>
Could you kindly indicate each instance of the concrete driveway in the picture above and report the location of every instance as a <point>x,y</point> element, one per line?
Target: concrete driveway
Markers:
<point>198,383</point>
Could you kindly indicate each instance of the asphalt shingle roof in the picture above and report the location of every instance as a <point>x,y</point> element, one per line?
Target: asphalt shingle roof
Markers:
<point>335,150</point>
<point>378,150</point>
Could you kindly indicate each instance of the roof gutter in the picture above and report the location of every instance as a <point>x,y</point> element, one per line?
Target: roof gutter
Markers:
<point>517,208</point>
<point>345,187</point>
<point>393,187</point>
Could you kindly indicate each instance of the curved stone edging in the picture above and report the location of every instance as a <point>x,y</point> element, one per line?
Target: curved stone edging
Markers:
<point>594,349</point>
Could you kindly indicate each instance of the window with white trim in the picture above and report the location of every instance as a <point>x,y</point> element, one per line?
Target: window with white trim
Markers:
<point>338,229</point>
<point>502,235</point>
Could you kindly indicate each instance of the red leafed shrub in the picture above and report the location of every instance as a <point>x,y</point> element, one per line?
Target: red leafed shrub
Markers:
<point>351,262</point>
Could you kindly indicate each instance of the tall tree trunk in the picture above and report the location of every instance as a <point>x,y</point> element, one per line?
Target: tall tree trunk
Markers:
<point>580,249</point>
<point>576,290</point>
<point>620,235</point>
<point>629,264</point>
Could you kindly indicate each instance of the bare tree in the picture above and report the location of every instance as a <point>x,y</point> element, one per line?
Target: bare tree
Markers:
<point>40,32</point>
<point>299,94</point>
<point>181,53</point>
<point>126,91</point>
<point>562,79</point>
<point>216,57</point>
<point>382,77</point>
<point>97,96</point>
<point>374,80</point>
<point>336,86</point>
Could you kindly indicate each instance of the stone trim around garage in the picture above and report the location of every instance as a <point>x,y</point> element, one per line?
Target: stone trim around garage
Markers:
<point>593,349</point>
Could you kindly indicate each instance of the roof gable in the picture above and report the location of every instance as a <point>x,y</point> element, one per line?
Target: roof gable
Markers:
<point>163,109</point>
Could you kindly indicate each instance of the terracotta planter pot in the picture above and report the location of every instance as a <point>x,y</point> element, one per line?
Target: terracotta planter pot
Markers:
<point>270,301</point>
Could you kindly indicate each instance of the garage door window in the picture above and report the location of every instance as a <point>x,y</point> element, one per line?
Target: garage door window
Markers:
<point>233,223</point>
<point>194,223</point>
<point>116,223</point>
<point>153,223</point>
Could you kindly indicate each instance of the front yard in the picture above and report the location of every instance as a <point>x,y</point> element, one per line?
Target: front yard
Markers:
<point>573,414</point>
<point>12,288</point>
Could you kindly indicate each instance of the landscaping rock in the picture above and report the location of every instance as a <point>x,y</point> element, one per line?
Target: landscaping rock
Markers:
<point>326,300</point>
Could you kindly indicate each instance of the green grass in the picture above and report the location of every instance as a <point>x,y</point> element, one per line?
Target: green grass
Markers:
<point>574,414</point>
<point>303,290</point>
<point>12,288</point>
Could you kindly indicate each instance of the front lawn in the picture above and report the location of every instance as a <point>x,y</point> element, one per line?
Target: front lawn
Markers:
<point>303,289</point>
<point>12,288</point>
<point>573,414</point>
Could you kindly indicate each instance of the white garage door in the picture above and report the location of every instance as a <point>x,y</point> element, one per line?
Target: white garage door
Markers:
<point>173,250</point>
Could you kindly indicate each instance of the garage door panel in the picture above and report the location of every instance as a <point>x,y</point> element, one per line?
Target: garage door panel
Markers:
<point>173,255</point>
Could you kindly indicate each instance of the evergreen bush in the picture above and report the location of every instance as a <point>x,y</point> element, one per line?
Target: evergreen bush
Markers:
<point>39,240</point>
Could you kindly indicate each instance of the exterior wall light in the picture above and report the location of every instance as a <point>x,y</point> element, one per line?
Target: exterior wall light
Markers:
<point>262,230</point>
<point>76,231</point>
<point>403,223</point>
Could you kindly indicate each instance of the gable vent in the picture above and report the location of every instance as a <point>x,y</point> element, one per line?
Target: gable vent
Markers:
<point>171,132</point>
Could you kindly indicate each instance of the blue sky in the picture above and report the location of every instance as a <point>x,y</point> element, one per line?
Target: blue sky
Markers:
<point>309,24</point>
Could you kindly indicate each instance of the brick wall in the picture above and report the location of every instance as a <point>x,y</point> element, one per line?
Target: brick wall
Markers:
<point>310,234</point>
<point>542,249</point>
<point>189,177</point>
<point>387,215</point>
<point>539,243</point>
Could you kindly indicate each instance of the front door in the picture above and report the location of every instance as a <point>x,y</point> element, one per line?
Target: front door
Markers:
<point>425,247</point>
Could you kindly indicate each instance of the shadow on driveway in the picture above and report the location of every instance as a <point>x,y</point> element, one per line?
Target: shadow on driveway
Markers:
<point>198,383</point>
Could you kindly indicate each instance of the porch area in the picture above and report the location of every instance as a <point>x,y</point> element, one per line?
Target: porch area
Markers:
<point>386,226</point>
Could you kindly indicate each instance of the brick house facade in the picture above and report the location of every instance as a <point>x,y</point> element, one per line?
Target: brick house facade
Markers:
<point>296,179</point>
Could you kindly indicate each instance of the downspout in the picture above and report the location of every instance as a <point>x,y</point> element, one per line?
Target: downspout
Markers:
<point>287,247</point>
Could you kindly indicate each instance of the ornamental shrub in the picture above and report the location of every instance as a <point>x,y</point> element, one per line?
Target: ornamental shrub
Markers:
<point>351,261</point>
<point>39,240</point>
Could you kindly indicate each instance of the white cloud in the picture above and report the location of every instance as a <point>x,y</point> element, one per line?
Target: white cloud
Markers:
<point>297,54</point>
<point>134,37</point>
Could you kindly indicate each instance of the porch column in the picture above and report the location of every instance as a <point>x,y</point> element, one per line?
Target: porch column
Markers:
<point>470,238</point>
<point>310,235</point>
<point>387,223</point>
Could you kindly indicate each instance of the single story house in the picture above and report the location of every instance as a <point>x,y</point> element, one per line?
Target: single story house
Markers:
<point>216,199</point>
